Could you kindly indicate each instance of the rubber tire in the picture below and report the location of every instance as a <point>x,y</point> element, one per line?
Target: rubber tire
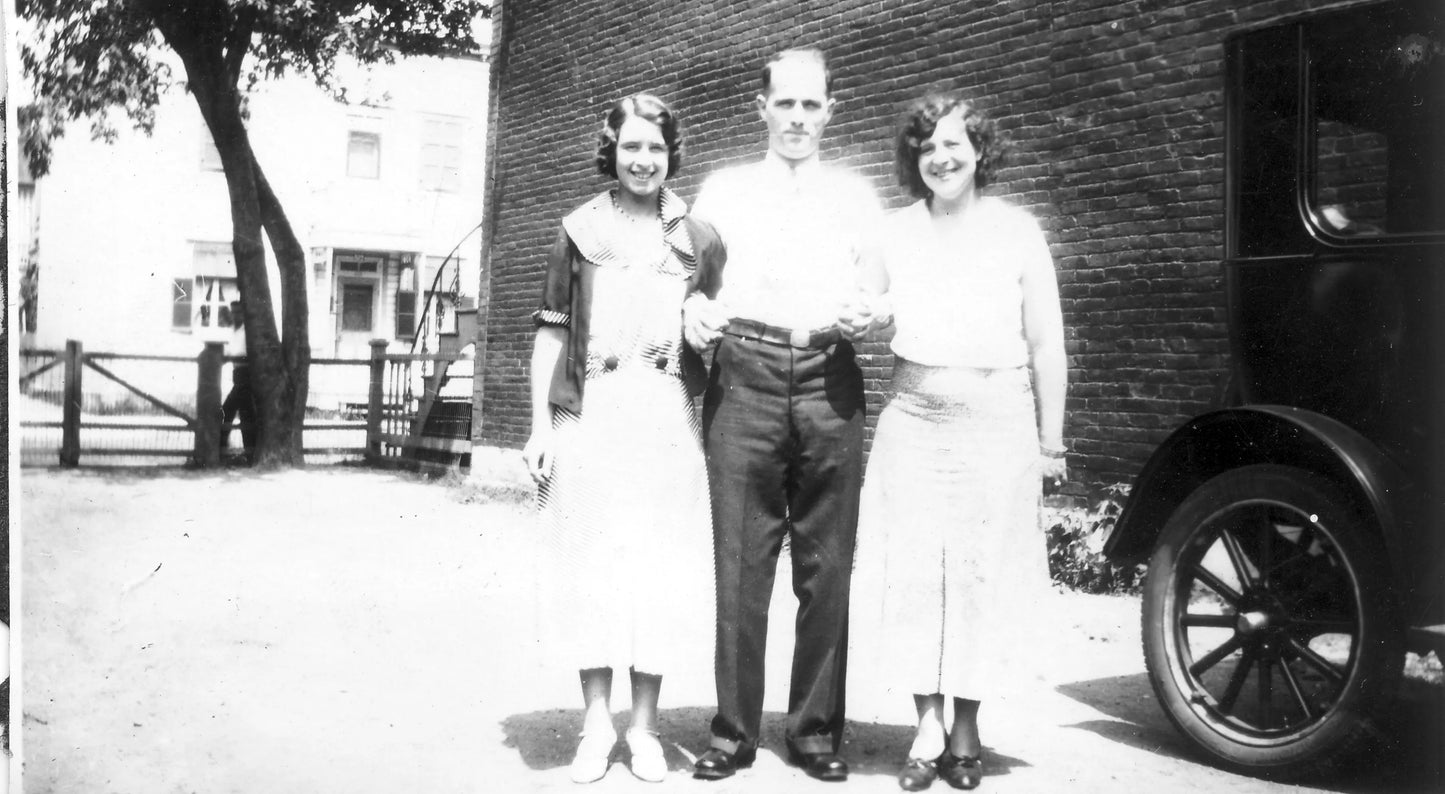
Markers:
<point>1350,725</point>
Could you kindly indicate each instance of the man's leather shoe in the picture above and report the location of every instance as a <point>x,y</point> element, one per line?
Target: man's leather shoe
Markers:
<point>823,766</point>
<point>717,763</point>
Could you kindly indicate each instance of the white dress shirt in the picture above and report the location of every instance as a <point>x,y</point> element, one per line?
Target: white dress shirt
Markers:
<point>794,237</point>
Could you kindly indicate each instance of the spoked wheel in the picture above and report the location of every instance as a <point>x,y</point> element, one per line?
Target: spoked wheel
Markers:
<point>1270,629</point>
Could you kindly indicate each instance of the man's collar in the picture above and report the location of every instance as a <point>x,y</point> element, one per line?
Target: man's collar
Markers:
<point>776,164</point>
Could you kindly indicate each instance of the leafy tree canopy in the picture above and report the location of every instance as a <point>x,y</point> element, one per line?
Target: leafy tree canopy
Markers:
<point>93,59</point>
<point>97,58</point>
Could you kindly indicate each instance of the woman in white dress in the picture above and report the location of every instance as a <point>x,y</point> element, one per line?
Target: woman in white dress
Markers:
<point>949,540</point>
<point>615,445</point>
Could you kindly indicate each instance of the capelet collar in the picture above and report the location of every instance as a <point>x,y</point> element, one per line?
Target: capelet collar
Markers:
<point>592,225</point>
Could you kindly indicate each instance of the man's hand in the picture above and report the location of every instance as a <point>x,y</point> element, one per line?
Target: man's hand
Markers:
<point>703,321</point>
<point>855,318</point>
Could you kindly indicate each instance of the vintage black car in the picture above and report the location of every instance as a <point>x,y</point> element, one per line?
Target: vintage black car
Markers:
<point>1295,537</point>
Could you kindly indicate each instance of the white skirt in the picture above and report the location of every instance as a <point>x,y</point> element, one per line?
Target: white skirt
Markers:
<point>627,531</point>
<point>950,552</point>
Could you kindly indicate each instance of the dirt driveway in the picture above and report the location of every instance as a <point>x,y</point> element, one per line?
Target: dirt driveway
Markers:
<point>352,631</point>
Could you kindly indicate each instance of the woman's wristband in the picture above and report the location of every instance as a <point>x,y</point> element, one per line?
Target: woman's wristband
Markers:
<point>1052,452</point>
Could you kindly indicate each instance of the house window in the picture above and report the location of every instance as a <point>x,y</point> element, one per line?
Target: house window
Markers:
<point>210,156</point>
<point>181,303</point>
<point>357,265</point>
<point>441,156</point>
<point>356,307</point>
<point>212,297</point>
<point>203,300</point>
<point>448,268</point>
<point>405,315</point>
<point>441,299</point>
<point>363,155</point>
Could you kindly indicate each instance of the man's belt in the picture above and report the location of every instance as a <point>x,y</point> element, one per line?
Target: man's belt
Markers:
<point>773,335</point>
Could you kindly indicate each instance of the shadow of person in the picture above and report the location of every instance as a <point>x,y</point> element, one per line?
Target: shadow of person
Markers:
<point>1405,755</point>
<point>880,749</point>
<point>548,739</point>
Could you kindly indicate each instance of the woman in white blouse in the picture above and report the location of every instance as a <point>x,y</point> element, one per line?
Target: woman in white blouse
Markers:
<point>949,543</point>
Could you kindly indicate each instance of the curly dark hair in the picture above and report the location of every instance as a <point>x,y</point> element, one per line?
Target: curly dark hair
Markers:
<point>644,106</point>
<point>918,126</point>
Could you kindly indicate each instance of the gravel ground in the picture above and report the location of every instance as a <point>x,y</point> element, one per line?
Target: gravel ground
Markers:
<point>353,631</point>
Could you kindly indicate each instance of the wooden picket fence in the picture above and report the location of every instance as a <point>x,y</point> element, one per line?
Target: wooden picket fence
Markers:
<point>103,408</point>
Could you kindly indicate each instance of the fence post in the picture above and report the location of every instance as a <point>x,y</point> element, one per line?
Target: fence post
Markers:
<point>208,405</point>
<point>70,406</point>
<point>373,404</point>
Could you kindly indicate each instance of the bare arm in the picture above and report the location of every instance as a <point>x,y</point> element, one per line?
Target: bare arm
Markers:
<point>1044,330</point>
<point>546,351</point>
<point>704,318</point>
<point>871,309</point>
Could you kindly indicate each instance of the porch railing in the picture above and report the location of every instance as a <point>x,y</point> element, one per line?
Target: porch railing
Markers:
<point>419,410</point>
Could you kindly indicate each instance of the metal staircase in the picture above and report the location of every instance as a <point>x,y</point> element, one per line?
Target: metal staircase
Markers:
<point>440,433</point>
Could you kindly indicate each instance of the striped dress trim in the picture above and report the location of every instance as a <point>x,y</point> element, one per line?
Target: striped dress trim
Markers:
<point>588,226</point>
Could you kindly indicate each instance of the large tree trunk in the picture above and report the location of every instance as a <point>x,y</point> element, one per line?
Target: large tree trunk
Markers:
<point>279,364</point>
<point>295,319</point>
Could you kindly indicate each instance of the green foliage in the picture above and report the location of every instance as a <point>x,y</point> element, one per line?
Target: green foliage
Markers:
<point>1076,540</point>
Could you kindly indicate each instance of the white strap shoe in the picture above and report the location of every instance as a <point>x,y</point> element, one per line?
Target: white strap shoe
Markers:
<point>648,761</point>
<point>594,754</point>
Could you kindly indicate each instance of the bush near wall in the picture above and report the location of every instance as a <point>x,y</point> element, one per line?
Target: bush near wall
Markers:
<point>1076,536</point>
<point>1114,108</point>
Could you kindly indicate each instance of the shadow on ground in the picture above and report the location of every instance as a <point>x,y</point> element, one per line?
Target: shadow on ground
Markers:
<point>547,739</point>
<point>1409,755</point>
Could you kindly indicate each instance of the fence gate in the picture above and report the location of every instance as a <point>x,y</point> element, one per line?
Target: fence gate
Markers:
<point>122,409</point>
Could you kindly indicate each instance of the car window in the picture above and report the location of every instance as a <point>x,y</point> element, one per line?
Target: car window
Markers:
<point>1376,78</point>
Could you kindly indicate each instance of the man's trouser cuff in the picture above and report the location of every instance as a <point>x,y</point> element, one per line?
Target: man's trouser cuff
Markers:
<point>726,745</point>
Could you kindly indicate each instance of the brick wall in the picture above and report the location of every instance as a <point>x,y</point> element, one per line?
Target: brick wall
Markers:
<point>1115,111</point>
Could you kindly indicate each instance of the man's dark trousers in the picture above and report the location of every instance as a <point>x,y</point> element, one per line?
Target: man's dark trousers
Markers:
<point>784,431</point>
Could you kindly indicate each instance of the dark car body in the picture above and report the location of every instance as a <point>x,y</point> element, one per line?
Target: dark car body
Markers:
<point>1335,275</point>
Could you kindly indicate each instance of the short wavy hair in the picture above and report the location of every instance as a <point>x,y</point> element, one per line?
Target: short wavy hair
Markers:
<point>643,106</point>
<point>918,125</point>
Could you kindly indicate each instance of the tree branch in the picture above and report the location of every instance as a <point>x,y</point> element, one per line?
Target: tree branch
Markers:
<point>238,44</point>
<point>290,261</point>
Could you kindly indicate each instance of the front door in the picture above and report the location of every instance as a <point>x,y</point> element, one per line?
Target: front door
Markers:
<point>358,303</point>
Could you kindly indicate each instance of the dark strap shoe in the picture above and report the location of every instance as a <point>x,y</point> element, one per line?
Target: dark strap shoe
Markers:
<point>917,774</point>
<point>822,766</point>
<point>960,771</point>
<point>717,763</point>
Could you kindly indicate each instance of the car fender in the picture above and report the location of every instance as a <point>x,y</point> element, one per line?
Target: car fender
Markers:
<point>1225,439</point>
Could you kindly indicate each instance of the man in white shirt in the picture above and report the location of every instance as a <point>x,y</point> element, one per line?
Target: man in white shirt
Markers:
<point>783,414</point>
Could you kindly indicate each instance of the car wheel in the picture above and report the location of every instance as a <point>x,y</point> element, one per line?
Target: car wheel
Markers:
<point>1270,626</point>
